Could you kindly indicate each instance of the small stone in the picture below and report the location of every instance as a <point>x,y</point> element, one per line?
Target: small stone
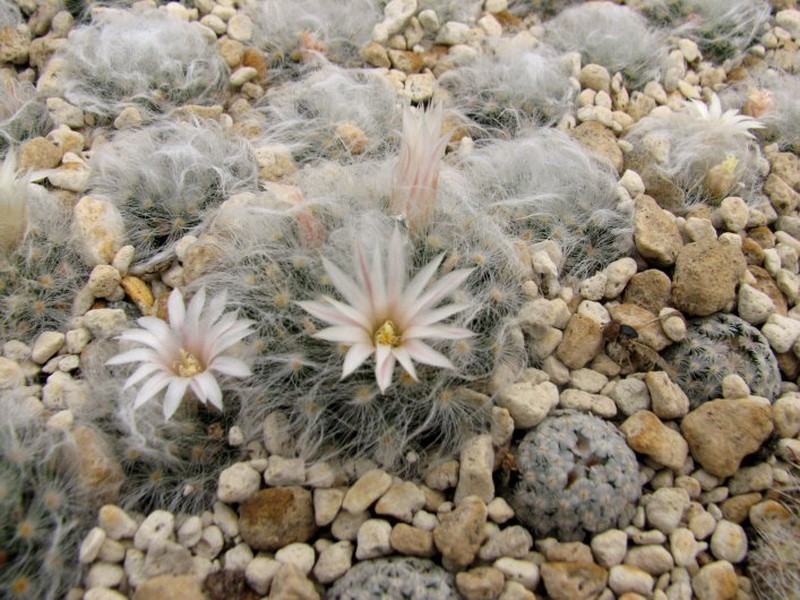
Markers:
<point>166,557</point>
<point>734,213</point>
<point>625,579</point>
<point>104,323</point>
<point>373,539</point>
<point>524,572</point>
<point>242,75</point>
<point>573,580</point>
<point>786,415</point>
<point>327,503</point>
<point>630,395</point>
<point>240,28</point>
<point>90,547</point>
<point>46,345</point>
<point>595,77</point>
<point>667,399</point>
<point>665,508</point>
<point>210,544</point>
<point>646,433</point>
<point>655,233</point>
<point>412,541</point>
<point>284,471</point>
<point>514,542</point>
<point>716,581</point>
<point>452,33</point>
<point>720,433</point>
<point>609,547</point>
<point>684,547</point>
<point>116,522</point>
<point>475,473</point>
<point>706,276</point>
<point>98,469</point>
<point>259,573</point>
<point>582,341</point>
<point>63,113</point>
<point>237,483</point>
<point>346,525</point>
<point>128,118</point>
<point>500,511</point>
<point>369,487</point>
<point>138,291</point>
<point>274,517</point>
<point>333,562</point>
<point>528,402</point>
<point>159,525</point>
<point>461,532</point>
<point>300,555</point>
<point>652,558</point>
<point>401,501</point>
<point>600,140</point>
<point>99,230</point>
<point>72,175</point>
<point>754,306</point>
<point>480,583</point>
<point>781,332</point>
<point>174,587</point>
<point>38,153</point>
<point>190,531</point>
<point>729,542</point>
<point>289,582</point>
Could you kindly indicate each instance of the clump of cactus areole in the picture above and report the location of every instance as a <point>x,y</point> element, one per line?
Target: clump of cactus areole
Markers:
<point>718,346</point>
<point>395,578</point>
<point>577,476</point>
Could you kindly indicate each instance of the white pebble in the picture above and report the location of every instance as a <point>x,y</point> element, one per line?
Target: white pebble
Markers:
<point>373,539</point>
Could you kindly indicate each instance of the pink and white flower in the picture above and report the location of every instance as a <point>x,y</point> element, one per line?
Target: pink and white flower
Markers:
<point>185,354</point>
<point>735,123</point>
<point>385,317</point>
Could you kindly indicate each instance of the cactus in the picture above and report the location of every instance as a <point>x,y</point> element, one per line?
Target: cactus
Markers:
<point>40,272</point>
<point>616,37</point>
<point>152,60</point>
<point>577,476</point>
<point>396,578</point>
<point>164,178</point>
<point>43,505</point>
<point>512,88</point>
<point>717,346</point>
<point>333,113</point>
<point>268,265</point>
<point>545,186</point>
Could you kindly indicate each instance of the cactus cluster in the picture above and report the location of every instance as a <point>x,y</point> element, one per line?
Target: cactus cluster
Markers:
<point>577,476</point>
<point>150,60</point>
<point>596,30</point>
<point>545,186</point>
<point>395,578</point>
<point>721,345</point>
<point>43,505</point>
<point>165,178</point>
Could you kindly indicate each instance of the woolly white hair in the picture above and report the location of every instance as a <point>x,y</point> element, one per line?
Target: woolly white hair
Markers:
<point>453,10</point>
<point>22,115</point>
<point>152,60</point>
<point>287,29</point>
<point>163,179</point>
<point>771,97</point>
<point>267,266</point>
<point>9,14</point>
<point>511,88</point>
<point>613,36</point>
<point>545,185</point>
<point>722,28</point>
<point>695,145</point>
<point>312,115</point>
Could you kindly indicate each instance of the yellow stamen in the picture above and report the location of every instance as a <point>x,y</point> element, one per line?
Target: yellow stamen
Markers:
<point>189,365</point>
<point>388,334</point>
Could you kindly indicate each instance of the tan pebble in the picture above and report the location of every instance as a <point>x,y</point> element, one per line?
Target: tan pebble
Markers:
<point>138,291</point>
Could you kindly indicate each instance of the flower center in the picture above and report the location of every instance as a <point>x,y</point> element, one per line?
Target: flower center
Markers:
<point>189,365</point>
<point>388,334</point>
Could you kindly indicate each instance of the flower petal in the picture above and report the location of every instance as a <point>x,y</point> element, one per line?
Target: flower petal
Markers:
<point>384,366</point>
<point>206,388</point>
<point>404,358</point>
<point>396,269</point>
<point>232,367</point>
<point>437,332</point>
<point>442,288</point>
<point>176,308</point>
<point>143,371</point>
<point>420,280</point>
<point>336,313</point>
<point>355,357</point>
<point>422,353</point>
<point>151,388</point>
<point>344,334</point>
<point>439,314</point>
<point>135,355</point>
<point>175,392</point>
<point>344,284</point>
